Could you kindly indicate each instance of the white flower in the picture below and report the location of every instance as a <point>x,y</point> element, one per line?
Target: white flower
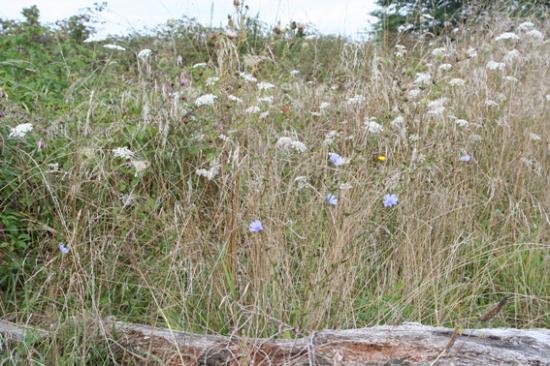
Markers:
<point>223,137</point>
<point>302,182</point>
<point>356,99</point>
<point>423,78</point>
<point>199,65</point>
<point>288,143</point>
<point>114,47</point>
<point>507,36</point>
<point>525,26</point>
<point>491,103</point>
<point>330,136</point>
<point>472,53</point>
<point>139,166</point>
<point>512,56</point>
<point>401,50</point>
<point>445,67</point>
<point>267,100</point>
<point>501,97</point>
<point>234,98</point>
<point>547,97</point>
<point>144,53</point>
<point>462,123</point>
<point>439,52</point>
<point>253,109</point>
<point>436,107</point>
<point>372,126</point>
<point>324,105</point>
<point>398,121</point>
<point>294,72</point>
<point>457,82</point>
<point>21,130</point>
<point>414,137</point>
<point>405,27</point>
<point>211,172</point>
<point>264,115</point>
<point>511,79</point>
<point>475,138</point>
<point>535,35</point>
<point>437,103</point>
<point>265,85</point>
<point>123,152</point>
<point>248,77</point>
<point>212,80</point>
<point>414,93</point>
<point>127,199</point>
<point>493,65</point>
<point>534,136</point>
<point>345,186</point>
<point>207,99</point>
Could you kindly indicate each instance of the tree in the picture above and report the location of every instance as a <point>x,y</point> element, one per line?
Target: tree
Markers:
<point>437,16</point>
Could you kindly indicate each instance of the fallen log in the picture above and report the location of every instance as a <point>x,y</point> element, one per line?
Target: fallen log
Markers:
<point>406,344</point>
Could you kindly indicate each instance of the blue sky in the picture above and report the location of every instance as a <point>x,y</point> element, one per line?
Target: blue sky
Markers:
<point>347,17</point>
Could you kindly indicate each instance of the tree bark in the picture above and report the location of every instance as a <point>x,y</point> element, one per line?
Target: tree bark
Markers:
<point>406,344</point>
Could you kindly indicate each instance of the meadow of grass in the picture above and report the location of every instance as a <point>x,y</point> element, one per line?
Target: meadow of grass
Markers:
<point>149,167</point>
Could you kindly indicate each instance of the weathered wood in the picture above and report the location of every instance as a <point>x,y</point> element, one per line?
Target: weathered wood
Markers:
<point>406,344</point>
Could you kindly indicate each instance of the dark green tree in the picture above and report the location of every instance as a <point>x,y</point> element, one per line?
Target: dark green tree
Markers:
<point>437,16</point>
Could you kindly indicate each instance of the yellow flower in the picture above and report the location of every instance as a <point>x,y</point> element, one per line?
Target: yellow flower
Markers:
<point>381,157</point>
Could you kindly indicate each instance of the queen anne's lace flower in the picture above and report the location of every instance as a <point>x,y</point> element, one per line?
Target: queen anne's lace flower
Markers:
<point>512,56</point>
<point>21,130</point>
<point>525,26</point>
<point>507,36</point>
<point>248,77</point>
<point>423,79</point>
<point>535,35</point>
<point>144,53</point>
<point>439,52</point>
<point>398,121</point>
<point>289,143</point>
<point>265,85</point>
<point>493,65</point>
<point>211,172</point>
<point>140,166</point>
<point>123,153</point>
<point>372,126</point>
<point>207,99</point>
<point>253,109</point>
<point>457,82</point>
<point>356,99</point>
<point>414,93</point>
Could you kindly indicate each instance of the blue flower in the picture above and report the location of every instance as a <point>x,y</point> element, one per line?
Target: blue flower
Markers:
<point>63,249</point>
<point>336,159</point>
<point>465,158</point>
<point>255,226</point>
<point>390,200</point>
<point>332,199</point>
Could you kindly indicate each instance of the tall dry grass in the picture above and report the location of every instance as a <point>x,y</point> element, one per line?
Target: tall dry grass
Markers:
<point>170,248</point>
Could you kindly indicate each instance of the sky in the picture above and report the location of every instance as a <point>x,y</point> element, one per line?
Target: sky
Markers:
<point>342,17</point>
